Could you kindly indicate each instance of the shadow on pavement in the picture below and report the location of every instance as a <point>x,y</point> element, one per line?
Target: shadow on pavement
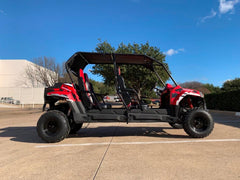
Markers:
<point>28,134</point>
<point>106,131</point>
<point>226,118</point>
<point>21,134</point>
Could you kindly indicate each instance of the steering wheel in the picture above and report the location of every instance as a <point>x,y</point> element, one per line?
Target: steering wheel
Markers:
<point>153,87</point>
<point>158,90</point>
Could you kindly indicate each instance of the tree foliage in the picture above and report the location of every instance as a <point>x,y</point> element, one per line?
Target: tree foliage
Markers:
<point>101,88</point>
<point>231,85</point>
<point>136,76</point>
<point>204,88</point>
<point>195,85</point>
<point>212,88</point>
<point>225,100</point>
<point>192,85</point>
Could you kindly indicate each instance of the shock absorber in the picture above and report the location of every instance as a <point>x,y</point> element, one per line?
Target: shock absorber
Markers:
<point>190,102</point>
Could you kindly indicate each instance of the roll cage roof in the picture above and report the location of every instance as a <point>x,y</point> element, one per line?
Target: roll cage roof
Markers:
<point>80,60</point>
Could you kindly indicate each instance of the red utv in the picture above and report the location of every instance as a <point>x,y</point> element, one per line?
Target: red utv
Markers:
<point>71,105</point>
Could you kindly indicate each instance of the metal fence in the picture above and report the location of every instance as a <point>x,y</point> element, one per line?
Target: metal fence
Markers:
<point>24,95</point>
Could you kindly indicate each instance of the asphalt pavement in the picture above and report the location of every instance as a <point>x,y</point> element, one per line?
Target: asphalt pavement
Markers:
<point>118,150</point>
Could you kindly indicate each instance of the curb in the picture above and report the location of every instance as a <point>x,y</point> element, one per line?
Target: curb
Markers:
<point>228,112</point>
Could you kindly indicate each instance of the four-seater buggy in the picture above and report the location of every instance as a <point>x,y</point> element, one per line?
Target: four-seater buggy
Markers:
<point>72,104</point>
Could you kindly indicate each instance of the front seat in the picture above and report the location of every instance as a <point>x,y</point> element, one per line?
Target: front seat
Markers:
<point>83,91</point>
<point>93,95</point>
<point>125,92</point>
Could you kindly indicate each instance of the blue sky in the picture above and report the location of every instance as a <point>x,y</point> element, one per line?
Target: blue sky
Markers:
<point>200,38</point>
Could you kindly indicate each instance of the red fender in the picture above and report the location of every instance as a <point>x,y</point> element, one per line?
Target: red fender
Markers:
<point>67,91</point>
<point>178,93</point>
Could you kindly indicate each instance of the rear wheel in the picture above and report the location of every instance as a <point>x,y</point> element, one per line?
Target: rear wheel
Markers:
<point>53,126</point>
<point>198,124</point>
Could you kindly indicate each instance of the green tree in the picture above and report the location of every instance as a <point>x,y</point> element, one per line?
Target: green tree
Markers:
<point>196,85</point>
<point>136,76</point>
<point>101,88</point>
<point>104,47</point>
<point>231,85</point>
<point>212,88</point>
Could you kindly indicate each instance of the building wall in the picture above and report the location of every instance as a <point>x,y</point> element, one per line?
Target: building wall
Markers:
<point>24,95</point>
<point>13,73</point>
<point>15,84</point>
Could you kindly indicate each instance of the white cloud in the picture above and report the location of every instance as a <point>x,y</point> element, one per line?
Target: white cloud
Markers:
<point>2,12</point>
<point>227,6</point>
<point>212,15</point>
<point>171,52</point>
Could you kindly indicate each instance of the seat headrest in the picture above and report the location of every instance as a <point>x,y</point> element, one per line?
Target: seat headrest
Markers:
<point>119,71</point>
<point>86,77</point>
<point>81,75</point>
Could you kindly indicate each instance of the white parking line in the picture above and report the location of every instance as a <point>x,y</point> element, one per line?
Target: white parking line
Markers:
<point>8,106</point>
<point>237,114</point>
<point>139,143</point>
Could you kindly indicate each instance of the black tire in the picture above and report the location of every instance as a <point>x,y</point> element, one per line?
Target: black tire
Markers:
<point>75,128</point>
<point>176,125</point>
<point>198,124</point>
<point>53,126</point>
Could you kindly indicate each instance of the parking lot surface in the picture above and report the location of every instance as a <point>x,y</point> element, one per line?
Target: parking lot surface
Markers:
<point>118,150</point>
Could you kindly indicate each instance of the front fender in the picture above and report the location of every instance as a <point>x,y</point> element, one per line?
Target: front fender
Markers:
<point>178,93</point>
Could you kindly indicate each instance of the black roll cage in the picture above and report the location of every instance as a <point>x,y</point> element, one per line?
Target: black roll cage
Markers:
<point>114,62</point>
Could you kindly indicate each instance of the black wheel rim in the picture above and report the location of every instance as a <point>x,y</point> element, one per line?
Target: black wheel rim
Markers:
<point>51,127</point>
<point>199,124</point>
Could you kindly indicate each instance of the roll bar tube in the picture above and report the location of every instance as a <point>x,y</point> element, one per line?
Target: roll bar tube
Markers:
<point>159,78</point>
<point>69,73</point>
<point>116,80</point>
<point>164,67</point>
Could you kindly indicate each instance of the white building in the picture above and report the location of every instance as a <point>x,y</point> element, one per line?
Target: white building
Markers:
<point>13,73</point>
<point>15,83</point>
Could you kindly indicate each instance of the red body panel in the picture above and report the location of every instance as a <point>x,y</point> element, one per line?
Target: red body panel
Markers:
<point>67,91</point>
<point>176,94</point>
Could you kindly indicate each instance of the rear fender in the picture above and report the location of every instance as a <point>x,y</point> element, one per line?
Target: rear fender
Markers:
<point>65,92</point>
<point>62,90</point>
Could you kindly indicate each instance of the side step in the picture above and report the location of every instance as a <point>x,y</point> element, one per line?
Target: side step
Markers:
<point>132,117</point>
<point>108,117</point>
<point>148,117</point>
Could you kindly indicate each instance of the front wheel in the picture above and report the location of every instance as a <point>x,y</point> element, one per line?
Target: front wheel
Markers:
<point>198,124</point>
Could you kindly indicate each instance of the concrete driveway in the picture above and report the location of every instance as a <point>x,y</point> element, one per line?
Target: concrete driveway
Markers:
<point>118,150</point>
